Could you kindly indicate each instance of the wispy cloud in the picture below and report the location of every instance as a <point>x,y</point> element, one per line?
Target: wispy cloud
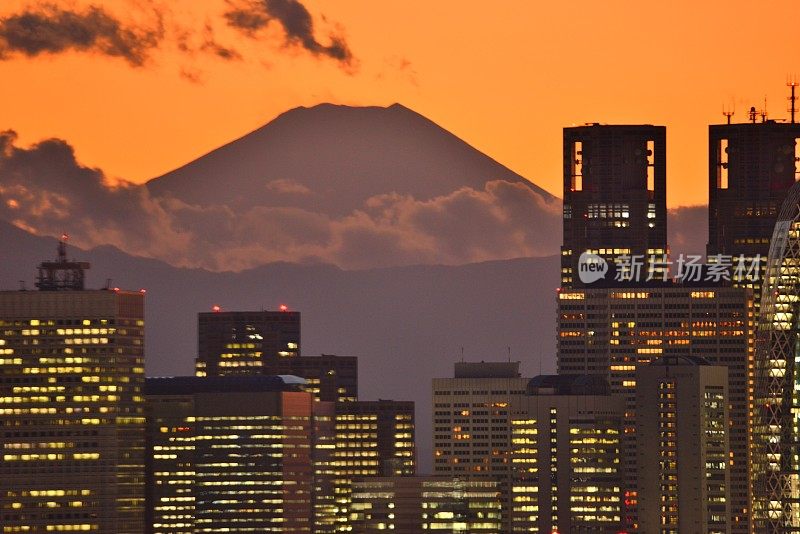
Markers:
<point>49,29</point>
<point>250,16</point>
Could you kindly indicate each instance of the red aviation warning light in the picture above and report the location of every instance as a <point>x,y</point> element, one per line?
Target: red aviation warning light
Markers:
<point>215,308</point>
<point>283,307</point>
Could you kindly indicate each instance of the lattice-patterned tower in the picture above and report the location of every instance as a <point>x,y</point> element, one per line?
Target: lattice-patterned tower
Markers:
<point>776,413</point>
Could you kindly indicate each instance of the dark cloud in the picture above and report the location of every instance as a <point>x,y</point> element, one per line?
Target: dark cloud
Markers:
<point>45,190</point>
<point>49,29</point>
<point>249,16</point>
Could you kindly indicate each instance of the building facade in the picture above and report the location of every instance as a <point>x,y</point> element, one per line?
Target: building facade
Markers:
<point>229,454</point>
<point>409,505</point>
<point>614,196</point>
<point>611,332</point>
<point>329,377</point>
<point>373,439</point>
<point>472,415</point>
<point>682,446</point>
<point>776,468</point>
<point>71,405</point>
<point>750,170</point>
<point>567,457</point>
<point>244,342</point>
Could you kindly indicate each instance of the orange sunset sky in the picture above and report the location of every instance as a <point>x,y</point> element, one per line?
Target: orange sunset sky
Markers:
<point>504,76</point>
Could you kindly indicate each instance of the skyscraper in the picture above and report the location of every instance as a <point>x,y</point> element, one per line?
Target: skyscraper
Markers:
<point>71,405</point>
<point>776,438</point>
<point>614,195</point>
<point>567,457</point>
<point>682,446</point>
<point>472,415</point>
<point>229,454</point>
<point>751,167</point>
<point>236,342</point>
<point>611,332</point>
<point>373,439</point>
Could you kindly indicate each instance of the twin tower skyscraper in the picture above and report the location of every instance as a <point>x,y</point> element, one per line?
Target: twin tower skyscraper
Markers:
<point>609,324</point>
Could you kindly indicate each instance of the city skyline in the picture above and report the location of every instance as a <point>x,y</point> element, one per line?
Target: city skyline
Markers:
<point>333,323</point>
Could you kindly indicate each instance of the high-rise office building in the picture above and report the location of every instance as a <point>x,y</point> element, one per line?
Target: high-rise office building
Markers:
<point>750,170</point>
<point>330,378</point>
<point>373,439</point>
<point>472,415</point>
<point>776,438</point>
<point>71,405</point>
<point>261,342</point>
<point>614,196</point>
<point>268,343</point>
<point>229,454</point>
<point>409,505</point>
<point>682,446</point>
<point>567,457</point>
<point>611,332</point>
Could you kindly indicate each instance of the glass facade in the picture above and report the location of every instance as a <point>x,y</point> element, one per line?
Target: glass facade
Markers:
<point>776,414</point>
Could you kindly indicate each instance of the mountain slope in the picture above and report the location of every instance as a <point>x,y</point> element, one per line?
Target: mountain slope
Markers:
<point>332,158</point>
<point>354,187</point>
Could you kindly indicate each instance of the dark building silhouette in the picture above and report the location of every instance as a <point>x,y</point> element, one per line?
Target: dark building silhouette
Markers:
<point>237,342</point>
<point>614,195</point>
<point>751,167</point>
<point>330,378</point>
<point>268,343</point>
<point>71,407</point>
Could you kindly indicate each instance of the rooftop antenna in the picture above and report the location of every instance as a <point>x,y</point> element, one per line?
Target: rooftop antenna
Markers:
<point>792,84</point>
<point>763,112</point>
<point>61,274</point>
<point>509,353</point>
<point>728,113</point>
<point>753,113</point>
<point>462,354</point>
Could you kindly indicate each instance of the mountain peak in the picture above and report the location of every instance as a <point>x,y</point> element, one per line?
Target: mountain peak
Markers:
<point>345,154</point>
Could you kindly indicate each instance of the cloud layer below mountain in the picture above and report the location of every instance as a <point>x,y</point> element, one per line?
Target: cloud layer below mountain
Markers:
<point>45,190</point>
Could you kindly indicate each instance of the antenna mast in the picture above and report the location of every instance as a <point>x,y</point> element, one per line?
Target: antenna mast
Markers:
<point>728,113</point>
<point>61,274</point>
<point>792,84</point>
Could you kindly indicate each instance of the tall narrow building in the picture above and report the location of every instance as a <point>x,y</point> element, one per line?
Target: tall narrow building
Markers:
<point>372,439</point>
<point>682,446</point>
<point>71,405</point>
<point>751,167</point>
<point>567,457</point>
<point>472,414</point>
<point>776,436</point>
<point>614,196</point>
